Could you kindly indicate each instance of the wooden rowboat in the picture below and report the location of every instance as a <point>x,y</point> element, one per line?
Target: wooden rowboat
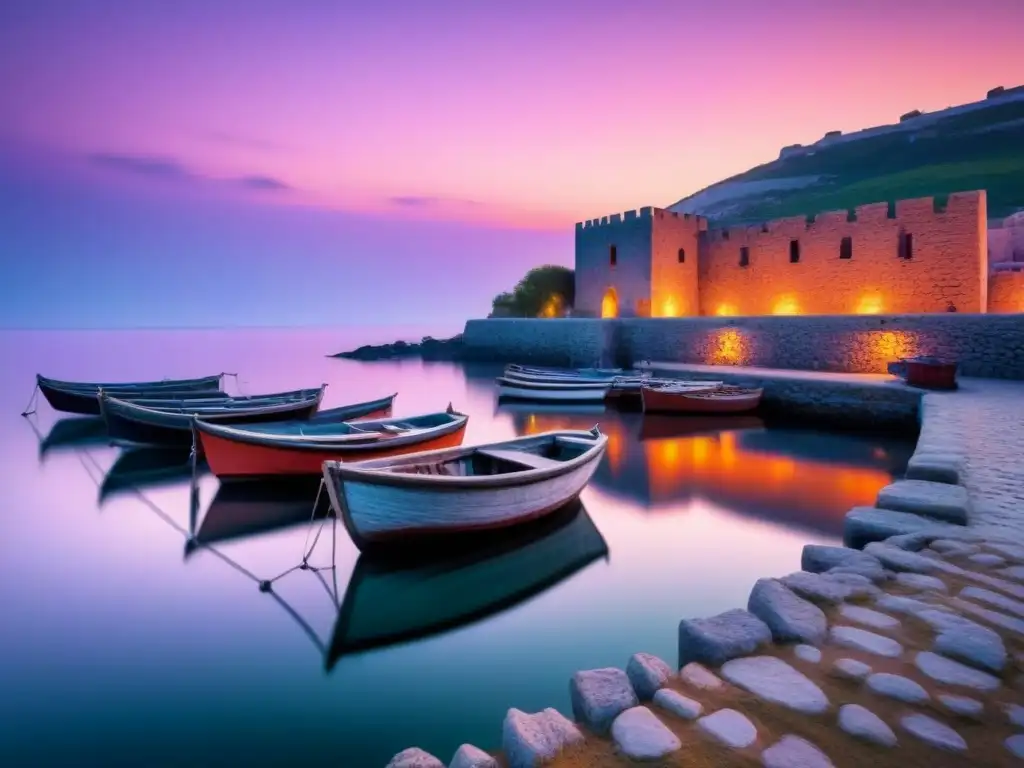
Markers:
<point>300,448</point>
<point>566,392</point>
<point>136,423</point>
<point>514,368</point>
<point>82,397</point>
<point>395,600</point>
<point>708,400</point>
<point>462,490</point>
<point>573,378</point>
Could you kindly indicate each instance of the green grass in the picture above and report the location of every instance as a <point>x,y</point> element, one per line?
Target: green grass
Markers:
<point>947,156</point>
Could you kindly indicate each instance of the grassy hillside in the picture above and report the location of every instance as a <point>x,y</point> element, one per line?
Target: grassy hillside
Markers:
<point>982,149</point>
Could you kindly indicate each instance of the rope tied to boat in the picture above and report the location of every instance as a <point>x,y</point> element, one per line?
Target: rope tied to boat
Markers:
<point>30,408</point>
<point>307,548</point>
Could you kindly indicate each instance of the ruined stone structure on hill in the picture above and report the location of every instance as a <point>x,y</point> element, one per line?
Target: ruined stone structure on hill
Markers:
<point>912,256</point>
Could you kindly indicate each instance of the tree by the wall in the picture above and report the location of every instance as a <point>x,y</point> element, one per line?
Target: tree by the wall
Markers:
<point>547,291</point>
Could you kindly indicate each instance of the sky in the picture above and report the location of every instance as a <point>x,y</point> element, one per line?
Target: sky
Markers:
<point>314,162</point>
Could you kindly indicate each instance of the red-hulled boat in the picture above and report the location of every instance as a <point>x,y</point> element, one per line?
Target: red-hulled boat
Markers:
<point>669,399</point>
<point>300,448</point>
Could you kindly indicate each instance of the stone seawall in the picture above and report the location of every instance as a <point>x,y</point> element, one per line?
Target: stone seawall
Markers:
<point>990,346</point>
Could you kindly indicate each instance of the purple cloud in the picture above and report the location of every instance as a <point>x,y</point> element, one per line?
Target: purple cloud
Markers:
<point>166,168</point>
<point>426,201</point>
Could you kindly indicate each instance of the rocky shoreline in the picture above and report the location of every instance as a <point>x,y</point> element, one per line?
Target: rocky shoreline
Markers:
<point>428,348</point>
<point>910,652</point>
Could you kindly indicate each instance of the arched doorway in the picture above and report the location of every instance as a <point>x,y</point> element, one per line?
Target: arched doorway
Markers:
<point>610,303</point>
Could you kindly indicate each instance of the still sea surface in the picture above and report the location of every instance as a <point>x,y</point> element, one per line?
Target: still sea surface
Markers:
<point>123,647</point>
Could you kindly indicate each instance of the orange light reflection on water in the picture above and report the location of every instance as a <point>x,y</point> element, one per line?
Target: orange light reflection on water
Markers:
<point>716,466</point>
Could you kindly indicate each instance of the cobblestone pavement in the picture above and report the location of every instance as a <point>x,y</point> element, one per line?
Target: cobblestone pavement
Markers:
<point>984,420</point>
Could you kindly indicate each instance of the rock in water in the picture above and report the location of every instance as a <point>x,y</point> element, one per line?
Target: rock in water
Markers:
<point>647,674</point>
<point>818,558</point>
<point>599,695</point>
<point>468,756</point>
<point>774,680</point>
<point>414,757</point>
<point>639,734</point>
<point>529,740</point>
<point>790,618</point>
<point>719,638</point>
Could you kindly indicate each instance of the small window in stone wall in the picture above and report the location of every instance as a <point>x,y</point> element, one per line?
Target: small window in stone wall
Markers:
<point>906,245</point>
<point>744,256</point>
<point>613,256</point>
<point>794,251</point>
<point>846,248</point>
<point>681,256</point>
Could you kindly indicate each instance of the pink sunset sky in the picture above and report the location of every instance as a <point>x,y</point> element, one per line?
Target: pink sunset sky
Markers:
<point>470,134</point>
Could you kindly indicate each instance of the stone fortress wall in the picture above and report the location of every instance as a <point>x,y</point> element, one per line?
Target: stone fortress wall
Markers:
<point>852,262</point>
<point>922,255</point>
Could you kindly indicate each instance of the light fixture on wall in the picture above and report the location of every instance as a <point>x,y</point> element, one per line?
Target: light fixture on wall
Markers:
<point>786,305</point>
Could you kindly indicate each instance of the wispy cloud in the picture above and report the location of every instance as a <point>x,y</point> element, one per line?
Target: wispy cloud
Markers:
<point>142,165</point>
<point>169,169</point>
<point>426,201</point>
<point>263,183</point>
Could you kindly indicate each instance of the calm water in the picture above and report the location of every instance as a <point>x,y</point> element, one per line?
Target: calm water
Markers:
<point>120,648</point>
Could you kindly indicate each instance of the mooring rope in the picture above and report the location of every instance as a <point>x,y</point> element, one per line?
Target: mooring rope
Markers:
<point>95,471</point>
<point>30,408</point>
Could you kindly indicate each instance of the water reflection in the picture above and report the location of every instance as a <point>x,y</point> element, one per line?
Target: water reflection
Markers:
<point>799,477</point>
<point>69,433</point>
<point>390,601</point>
<point>138,469</point>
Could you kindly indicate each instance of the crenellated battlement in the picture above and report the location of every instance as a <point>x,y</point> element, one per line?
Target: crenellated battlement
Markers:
<point>911,210</point>
<point>647,212</point>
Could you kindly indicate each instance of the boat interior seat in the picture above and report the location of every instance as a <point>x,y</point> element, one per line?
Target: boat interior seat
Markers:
<point>531,460</point>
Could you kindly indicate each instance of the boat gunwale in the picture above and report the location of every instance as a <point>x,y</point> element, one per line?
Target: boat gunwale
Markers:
<point>375,471</point>
<point>83,387</point>
<point>370,441</point>
<point>145,415</point>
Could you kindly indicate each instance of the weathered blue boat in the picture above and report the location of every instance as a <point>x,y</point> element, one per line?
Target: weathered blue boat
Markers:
<point>82,397</point>
<point>161,422</point>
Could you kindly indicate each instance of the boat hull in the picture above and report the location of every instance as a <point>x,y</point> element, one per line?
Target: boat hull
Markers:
<point>395,601</point>
<point>659,401</point>
<point>231,459</point>
<point>71,397</point>
<point>167,428</point>
<point>378,515</point>
<point>554,394</point>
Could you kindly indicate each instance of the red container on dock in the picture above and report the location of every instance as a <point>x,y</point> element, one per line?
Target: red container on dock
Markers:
<point>931,373</point>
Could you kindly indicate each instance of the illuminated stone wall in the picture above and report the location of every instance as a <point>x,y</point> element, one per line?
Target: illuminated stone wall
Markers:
<point>947,264</point>
<point>986,345</point>
<point>1006,292</point>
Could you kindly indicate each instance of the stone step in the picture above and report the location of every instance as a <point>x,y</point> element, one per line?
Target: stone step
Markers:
<point>941,501</point>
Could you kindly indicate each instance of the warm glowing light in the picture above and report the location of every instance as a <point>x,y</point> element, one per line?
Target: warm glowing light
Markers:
<point>728,347</point>
<point>553,307</point>
<point>725,310</point>
<point>786,305</point>
<point>888,346</point>
<point>610,304</point>
<point>670,307</point>
<point>869,305</point>
<point>715,465</point>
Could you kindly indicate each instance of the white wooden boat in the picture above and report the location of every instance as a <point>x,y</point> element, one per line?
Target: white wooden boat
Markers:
<point>573,378</point>
<point>546,391</point>
<point>513,367</point>
<point>462,490</point>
